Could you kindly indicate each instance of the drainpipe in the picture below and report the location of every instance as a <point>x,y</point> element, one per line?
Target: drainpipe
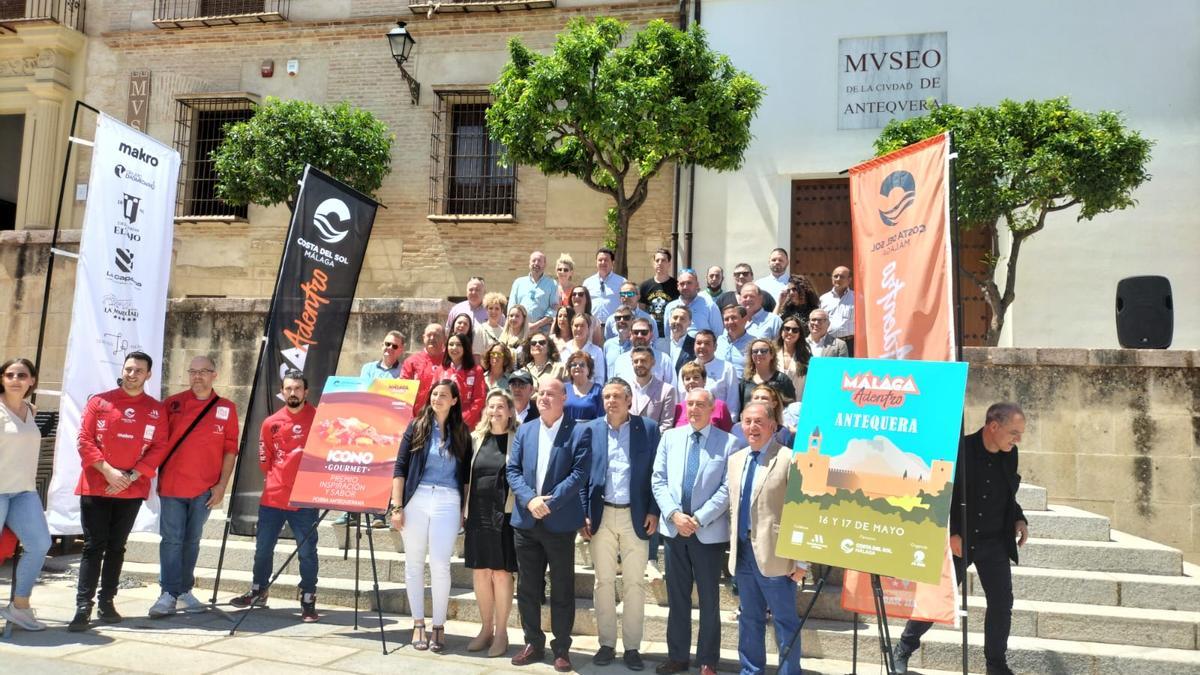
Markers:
<point>683,23</point>
<point>691,177</point>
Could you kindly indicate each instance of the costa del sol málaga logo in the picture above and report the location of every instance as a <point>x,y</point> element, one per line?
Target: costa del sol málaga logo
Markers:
<point>332,220</point>
<point>905,181</point>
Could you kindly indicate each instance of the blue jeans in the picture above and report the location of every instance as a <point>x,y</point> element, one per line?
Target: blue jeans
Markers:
<point>181,524</point>
<point>270,522</point>
<point>757,594</point>
<point>22,513</point>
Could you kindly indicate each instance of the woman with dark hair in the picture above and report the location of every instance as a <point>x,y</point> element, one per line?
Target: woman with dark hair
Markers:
<point>794,353</point>
<point>798,297</point>
<point>581,342</point>
<point>428,495</point>
<point>20,505</point>
<point>541,358</point>
<point>561,332</point>
<point>583,394</point>
<point>581,303</point>
<point>762,367</point>
<point>489,549</point>
<point>464,325</point>
<point>497,365</point>
<point>459,364</point>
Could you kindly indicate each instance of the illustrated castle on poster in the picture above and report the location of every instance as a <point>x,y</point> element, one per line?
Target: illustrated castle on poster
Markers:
<point>875,466</point>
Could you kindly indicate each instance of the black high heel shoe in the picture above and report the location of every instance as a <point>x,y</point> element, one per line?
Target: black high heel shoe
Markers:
<point>419,640</point>
<point>437,643</point>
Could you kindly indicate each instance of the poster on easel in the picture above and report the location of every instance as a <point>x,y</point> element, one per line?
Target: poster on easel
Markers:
<point>351,450</point>
<point>872,473</point>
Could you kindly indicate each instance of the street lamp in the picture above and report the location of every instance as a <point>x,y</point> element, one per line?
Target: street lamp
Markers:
<point>402,43</point>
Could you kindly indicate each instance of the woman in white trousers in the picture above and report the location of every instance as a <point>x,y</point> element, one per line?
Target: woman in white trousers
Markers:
<point>429,486</point>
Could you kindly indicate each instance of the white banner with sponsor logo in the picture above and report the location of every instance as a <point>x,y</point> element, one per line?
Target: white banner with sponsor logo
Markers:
<point>120,300</point>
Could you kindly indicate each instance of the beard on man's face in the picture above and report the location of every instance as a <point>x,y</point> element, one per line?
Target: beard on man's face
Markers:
<point>293,401</point>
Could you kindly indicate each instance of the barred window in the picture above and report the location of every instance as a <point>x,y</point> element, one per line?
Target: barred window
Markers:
<point>200,123</point>
<point>172,14</point>
<point>467,178</point>
<point>425,6</point>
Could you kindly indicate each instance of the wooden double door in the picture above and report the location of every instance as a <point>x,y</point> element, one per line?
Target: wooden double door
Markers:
<point>821,241</point>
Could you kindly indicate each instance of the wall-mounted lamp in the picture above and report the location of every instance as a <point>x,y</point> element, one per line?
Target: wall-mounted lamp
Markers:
<point>402,43</point>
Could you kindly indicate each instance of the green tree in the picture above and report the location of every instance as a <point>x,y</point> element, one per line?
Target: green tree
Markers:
<point>613,115</point>
<point>262,159</point>
<point>1020,162</point>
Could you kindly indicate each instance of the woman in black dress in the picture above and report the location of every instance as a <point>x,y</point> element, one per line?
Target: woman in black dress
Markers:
<point>489,544</point>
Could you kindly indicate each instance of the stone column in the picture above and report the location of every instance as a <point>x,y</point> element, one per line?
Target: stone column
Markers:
<point>45,161</point>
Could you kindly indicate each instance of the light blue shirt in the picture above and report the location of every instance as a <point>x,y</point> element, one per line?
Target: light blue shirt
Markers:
<point>764,325</point>
<point>610,324</point>
<point>540,298</point>
<point>606,294</point>
<point>773,284</point>
<point>375,371</point>
<point>733,352</point>
<point>705,313</point>
<point>441,467</point>
<point>664,368</point>
<point>616,489</point>
<point>613,349</point>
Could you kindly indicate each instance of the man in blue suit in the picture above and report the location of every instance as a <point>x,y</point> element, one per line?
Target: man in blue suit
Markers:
<point>689,484</point>
<point>547,468</point>
<point>620,515</point>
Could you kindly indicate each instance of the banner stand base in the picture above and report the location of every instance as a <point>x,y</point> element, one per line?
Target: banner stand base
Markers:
<point>885,638</point>
<point>818,587</point>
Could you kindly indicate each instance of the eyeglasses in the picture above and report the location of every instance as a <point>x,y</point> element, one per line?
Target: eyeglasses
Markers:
<point>742,273</point>
<point>17,376</point>
<point>628,294</point>
<point>791,329</point>
<point>537,343</point>
<point>760,352</point>
<point>564,269</point>
<point>194,373</point>
<point>622,318</point>
<point>578,294</point>
<point>576,364</point>
<point>642,331</point>
<point>391,345</point>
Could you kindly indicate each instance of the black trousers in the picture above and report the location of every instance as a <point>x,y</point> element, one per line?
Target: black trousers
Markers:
<point>537,549</point>
<point>995,575</point>
<point>107,522</point>
<point>690,561</point>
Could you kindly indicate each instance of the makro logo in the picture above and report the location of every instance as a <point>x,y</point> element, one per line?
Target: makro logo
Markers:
<point>329,216</point>
<point>138,153</point>
<point>885,392</point>
<point>905,181</point>
<point>350,457</point>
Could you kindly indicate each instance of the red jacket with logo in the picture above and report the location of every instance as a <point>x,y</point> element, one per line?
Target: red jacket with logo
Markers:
<point>472,391</point>
<point>128,432</point>
<point>426,369</point>
<point>280,446</point>
<point>196,465</point>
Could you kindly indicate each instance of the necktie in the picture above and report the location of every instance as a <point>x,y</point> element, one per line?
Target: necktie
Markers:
<point>691,468</point>
<point>743,523</point>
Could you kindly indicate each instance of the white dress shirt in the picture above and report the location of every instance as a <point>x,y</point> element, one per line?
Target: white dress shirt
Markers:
<point>840,311</point>
<point>546,436</point>
<point>773,284</point>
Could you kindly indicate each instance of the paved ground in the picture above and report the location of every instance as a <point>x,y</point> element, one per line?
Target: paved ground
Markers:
<point>269,641</point>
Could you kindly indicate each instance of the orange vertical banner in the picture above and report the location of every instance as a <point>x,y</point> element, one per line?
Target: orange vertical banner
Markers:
<point>900,223</point>
<point>904,309</point>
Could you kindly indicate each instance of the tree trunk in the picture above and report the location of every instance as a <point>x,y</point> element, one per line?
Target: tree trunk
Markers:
<point>621,264</point>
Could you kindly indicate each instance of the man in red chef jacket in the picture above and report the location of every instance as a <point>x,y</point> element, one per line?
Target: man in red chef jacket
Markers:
<point>122,440</point>
<point>280,448</point>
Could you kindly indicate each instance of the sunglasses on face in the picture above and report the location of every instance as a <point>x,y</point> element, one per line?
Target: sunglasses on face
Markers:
<point>577,364</point>
<point>578,294</point>
<point>641,332</point>
<point>621,318</point>
<point>791,329</point>
<point>741,274</point>
<point>760,352</point>
<point>627,294</point>
<point>564,269</point>
<point>391,345</point>
<point>537,343</point>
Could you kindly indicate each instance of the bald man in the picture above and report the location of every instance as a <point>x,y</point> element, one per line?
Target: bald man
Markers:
<point>838,303</point>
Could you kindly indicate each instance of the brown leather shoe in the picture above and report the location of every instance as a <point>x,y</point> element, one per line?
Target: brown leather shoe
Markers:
<point>667,667</point>
<point>529,654</point>
<point>563,664</point>
<point>708,670</point>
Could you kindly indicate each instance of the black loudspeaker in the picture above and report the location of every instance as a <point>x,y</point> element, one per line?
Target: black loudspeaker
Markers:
<point>1145,312</point>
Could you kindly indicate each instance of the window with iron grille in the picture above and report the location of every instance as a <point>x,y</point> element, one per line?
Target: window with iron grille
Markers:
<point>467,178</point>
<point>193,13</point>
<point>200,124</point>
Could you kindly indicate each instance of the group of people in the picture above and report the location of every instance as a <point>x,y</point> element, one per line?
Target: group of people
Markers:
<point>619,413</point>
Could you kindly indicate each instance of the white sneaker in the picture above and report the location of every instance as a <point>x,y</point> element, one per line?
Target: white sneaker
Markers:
<point>25,618</point>
<point>164,606</point>
<point>190,603</point>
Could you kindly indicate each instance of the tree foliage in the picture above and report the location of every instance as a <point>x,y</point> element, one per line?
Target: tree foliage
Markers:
<point>613,115</point>
<point>1020,162</point>
<point>262,159</point>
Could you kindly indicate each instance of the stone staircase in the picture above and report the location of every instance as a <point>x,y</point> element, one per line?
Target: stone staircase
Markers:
<point>1088,599</point>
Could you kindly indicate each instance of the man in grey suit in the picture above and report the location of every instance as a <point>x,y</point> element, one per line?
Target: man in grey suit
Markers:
<point>689,484</point>
<point>651,397</point>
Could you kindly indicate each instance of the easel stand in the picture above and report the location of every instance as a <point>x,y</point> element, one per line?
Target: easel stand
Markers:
<point>358,532</point>
<point>817,588</point>
<point>885,638</point>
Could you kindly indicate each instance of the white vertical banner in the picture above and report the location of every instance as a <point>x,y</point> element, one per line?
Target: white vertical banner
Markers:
<point>120,300</point>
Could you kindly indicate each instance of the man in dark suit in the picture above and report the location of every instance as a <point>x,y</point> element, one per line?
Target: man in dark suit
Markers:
<point>620,515</point>
<point>689,483</point>
<point>677,343</point>
<point>994,530</point>
<point>547,468</point>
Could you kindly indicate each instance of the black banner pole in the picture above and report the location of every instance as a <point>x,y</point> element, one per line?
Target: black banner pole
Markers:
<point>956,279</point>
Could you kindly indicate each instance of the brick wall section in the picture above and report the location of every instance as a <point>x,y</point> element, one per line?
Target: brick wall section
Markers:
<point>347,59</point>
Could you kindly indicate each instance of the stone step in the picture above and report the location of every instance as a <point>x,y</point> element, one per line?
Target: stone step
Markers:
<point>821,638</point>
<point>1124,553</point>
<point>1065,522</point>
<point>1148,591</point>
<point>1089,623</point>
<point>1032,497</point>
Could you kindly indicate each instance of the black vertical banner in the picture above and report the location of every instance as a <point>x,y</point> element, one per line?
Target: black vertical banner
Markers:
<point>322,257</point>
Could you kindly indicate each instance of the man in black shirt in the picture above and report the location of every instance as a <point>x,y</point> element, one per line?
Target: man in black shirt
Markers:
<point>659,289</point>
<point>994,529</point>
